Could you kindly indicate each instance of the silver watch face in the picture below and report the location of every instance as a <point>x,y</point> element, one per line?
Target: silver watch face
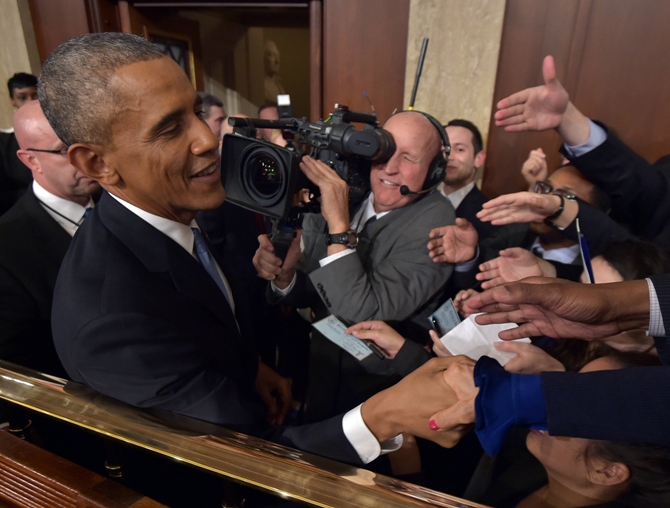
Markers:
<point>352,239</point>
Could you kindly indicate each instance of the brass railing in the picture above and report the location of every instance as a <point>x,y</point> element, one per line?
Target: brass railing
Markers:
<point>277,469</point>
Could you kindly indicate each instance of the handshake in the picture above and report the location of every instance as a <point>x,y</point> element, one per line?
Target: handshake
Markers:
<point>435,402</point>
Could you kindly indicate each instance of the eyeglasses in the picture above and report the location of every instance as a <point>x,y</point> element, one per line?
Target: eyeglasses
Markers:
<point>61,151</point>
<point>546,188</point>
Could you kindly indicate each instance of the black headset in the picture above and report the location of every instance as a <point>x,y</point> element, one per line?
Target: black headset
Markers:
<point>438,166</point>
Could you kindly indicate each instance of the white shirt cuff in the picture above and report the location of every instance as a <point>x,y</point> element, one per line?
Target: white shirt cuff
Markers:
<point>323,262</point>
<point>466,266</point>
<point>364,442</point>
<point>286,290</point>
<point>656,326</point>
<point>596,138</point>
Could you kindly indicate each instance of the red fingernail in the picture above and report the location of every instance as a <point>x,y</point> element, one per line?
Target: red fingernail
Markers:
<point>433,425</point>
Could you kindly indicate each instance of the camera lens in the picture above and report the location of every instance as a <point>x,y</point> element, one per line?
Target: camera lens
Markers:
<point>263,176</point>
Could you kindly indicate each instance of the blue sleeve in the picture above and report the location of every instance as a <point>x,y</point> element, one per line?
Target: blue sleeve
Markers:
<point>505,400</point>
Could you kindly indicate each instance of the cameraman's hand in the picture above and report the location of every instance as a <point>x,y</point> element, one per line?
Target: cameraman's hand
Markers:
<point>270,267</point>
<point>334,194</point>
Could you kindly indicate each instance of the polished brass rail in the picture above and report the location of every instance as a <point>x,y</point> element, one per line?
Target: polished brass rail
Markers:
<point>284,471</point>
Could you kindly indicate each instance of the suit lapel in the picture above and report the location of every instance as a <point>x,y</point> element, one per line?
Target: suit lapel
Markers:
<point>159,254</point>
<point>51,238</point>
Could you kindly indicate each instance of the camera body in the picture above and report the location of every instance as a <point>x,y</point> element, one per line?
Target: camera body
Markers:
<point>265,178</point>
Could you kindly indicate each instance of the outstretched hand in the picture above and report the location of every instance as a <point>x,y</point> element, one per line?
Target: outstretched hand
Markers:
<point>563,309</point>
<point>519,207</point>
<point>453,244</point>
<point>535,109</point>
<point>513,264</point>
<point>529,359</point>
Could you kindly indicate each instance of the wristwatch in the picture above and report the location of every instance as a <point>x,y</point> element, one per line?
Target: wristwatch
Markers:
<point>558,212</point>
<point>348,238</point>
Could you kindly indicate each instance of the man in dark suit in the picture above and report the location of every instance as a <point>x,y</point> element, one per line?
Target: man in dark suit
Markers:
<point>34,236</point>
<point>14,176</point>
<point>142,311</point>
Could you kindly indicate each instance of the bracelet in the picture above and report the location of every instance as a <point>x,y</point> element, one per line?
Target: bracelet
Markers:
<point>558,212</point>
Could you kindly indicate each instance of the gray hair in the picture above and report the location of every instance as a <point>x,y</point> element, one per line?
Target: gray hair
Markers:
<point>73,87</point>
<point>209,100</point>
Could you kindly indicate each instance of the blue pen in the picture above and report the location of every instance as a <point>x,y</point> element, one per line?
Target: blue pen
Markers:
<point>586,256</point>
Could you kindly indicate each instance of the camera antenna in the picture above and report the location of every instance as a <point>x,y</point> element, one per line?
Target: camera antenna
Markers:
<point>422,57</point>
<point>372,106</point>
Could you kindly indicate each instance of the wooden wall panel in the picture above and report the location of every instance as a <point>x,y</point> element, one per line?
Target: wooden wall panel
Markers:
<point>56,22</point>
<point>365,49</point>
<point>609,57</point>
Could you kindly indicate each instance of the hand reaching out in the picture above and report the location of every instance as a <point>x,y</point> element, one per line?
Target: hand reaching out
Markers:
<point>460,298</point>
<point>535,109</point>
<point>535,167</point>
<point>518,208</point>
<point>513,264</point>
<point>275,391</point>
<point>453,244</point>
<point>529,359</point>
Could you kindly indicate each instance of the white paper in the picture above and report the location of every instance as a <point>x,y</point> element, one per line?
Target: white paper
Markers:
<point>474,340</point>
<point>333,329</point>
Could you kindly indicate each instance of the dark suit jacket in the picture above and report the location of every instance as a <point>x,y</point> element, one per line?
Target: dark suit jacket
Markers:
<point>640,191</point>
<point>468,209</point>
<point>137,318</point>
<point>630,405</point>
<point>32,246</point>
<point>15,177</point>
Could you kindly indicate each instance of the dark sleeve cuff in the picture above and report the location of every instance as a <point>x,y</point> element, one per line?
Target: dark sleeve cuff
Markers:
<point>505,400</point>
<point>411,356</point>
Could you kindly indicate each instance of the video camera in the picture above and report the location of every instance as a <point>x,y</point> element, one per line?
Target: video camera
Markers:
<point>265,178</point>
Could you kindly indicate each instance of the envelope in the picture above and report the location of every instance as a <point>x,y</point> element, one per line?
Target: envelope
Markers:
<point>474,340</point>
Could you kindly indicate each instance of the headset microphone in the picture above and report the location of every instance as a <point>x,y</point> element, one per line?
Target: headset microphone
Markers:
<point>404,190</point>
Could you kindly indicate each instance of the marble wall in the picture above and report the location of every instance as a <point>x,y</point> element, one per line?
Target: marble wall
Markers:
<point>459,71</point>
<point>18,50</point>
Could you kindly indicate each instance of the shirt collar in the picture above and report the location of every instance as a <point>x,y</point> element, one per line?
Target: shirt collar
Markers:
<point>180,233</point>
<point>69,209</point>
<point>565,255</point>
<point>365,213</point>
<point>458,196</point>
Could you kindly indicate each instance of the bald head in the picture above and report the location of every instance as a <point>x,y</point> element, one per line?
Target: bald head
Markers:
<point>40,152</point>
<point>31,126</point>
<point>418,130</point>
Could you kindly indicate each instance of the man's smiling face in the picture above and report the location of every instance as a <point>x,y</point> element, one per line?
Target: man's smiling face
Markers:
<point>417,143</point>
<point>162,149</point>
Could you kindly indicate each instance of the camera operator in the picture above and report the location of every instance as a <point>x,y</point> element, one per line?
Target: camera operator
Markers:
<point>372,265</point>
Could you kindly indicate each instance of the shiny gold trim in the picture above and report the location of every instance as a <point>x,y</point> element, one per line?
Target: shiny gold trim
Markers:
<point>288,473</point>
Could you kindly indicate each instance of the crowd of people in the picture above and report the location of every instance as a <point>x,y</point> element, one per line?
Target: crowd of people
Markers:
<point>123,268</point>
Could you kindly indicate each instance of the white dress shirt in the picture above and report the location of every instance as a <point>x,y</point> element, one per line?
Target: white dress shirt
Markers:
<point>68,214</point>
<point>353,426</point>
<point>457,197</point>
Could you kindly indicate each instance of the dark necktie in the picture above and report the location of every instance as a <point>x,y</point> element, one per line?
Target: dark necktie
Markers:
<point>86,213</point>
<point>207,261</point>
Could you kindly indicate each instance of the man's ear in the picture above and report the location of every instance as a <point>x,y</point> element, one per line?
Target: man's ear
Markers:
<point>480,158</point>
<point>89,161</point>
<point>605,473</point>
<point>29,159</point>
